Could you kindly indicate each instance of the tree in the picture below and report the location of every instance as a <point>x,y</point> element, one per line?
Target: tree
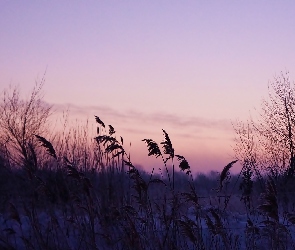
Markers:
<point>267,143</point>
<point>20,120</point>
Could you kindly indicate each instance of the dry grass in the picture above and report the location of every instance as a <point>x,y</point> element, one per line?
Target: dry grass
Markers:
<point>70,208</point>
<point>76,192</point>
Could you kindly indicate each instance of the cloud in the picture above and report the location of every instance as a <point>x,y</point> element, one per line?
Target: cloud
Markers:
<point>195,124</point>
<point>204,141</point>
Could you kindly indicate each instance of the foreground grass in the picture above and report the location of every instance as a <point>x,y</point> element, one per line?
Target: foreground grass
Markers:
<point>64,203</point>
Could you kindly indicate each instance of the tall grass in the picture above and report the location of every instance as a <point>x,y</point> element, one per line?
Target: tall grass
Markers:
<point>93,197</point>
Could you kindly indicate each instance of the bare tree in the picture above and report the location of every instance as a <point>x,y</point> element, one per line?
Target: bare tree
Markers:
<point>20,120</point>
<point>268,141</point>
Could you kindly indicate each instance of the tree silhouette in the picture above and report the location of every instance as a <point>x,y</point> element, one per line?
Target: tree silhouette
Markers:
<point>268,141</point>
<point>20,120</point>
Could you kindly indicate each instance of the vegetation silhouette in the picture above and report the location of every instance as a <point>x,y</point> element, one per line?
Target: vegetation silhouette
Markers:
<point>68,191</point>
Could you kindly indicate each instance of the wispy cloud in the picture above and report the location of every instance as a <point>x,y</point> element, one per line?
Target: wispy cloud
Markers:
<point>196,124</point>
<point>205,142</point>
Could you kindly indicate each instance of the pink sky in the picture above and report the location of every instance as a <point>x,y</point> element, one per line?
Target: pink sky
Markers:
<point>189,67</point>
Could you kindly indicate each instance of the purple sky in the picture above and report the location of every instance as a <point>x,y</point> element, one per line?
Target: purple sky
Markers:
<point>190,67</point>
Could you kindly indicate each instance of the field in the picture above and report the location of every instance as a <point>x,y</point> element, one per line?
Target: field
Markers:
<point>74,201</point>
<point>75,191</point>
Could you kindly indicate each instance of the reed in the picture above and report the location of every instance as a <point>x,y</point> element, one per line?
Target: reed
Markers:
<point>77,192</point>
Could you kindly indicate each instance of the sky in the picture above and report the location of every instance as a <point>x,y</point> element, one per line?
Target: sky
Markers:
<point>190,67</point>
